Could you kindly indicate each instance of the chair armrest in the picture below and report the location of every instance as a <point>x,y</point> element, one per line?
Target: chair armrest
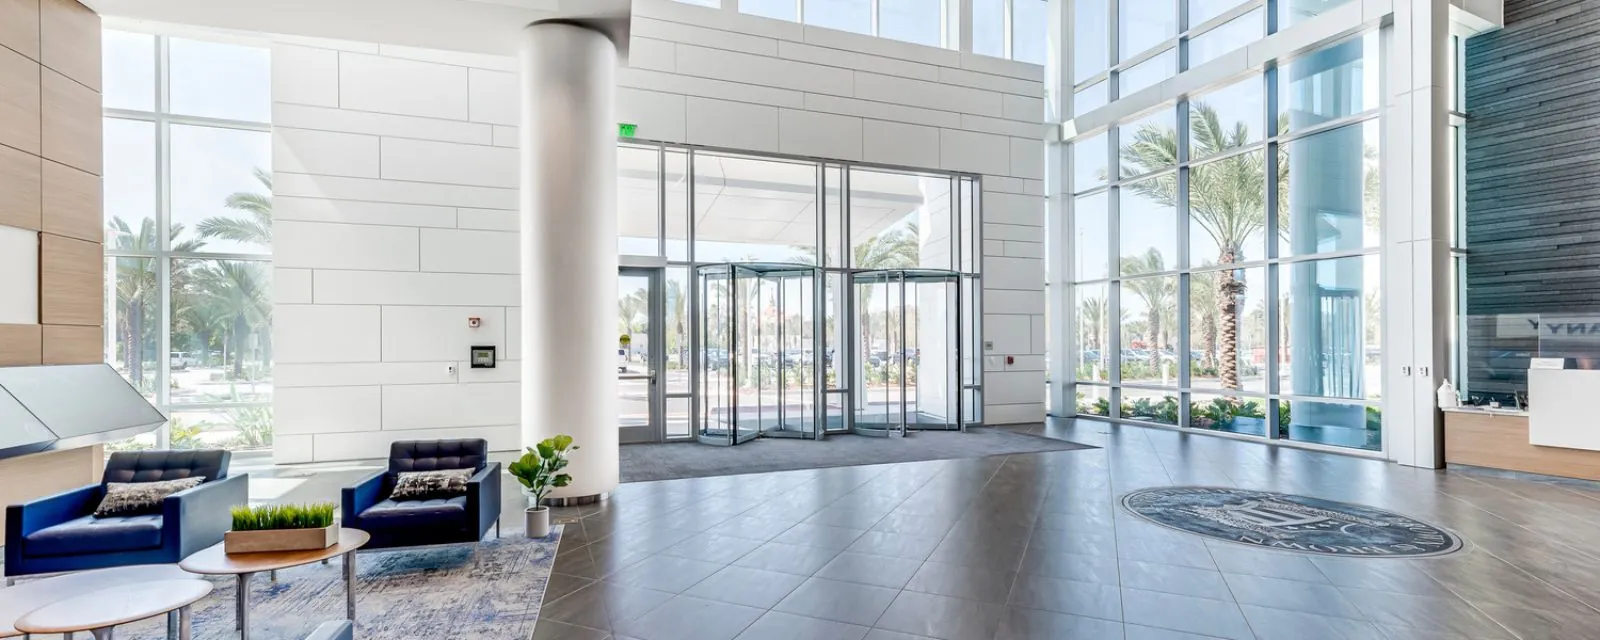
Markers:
<point>336,630</point>
<point>483,496</point>
<point>53,510</point>
<point>28,517</point>
<point>194,519</point>
<point>355,499</point>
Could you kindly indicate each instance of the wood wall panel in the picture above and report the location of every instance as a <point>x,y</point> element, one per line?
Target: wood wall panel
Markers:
<point>71,277</point>
<point>19,30</point>
<point>20,345</point>
<point>72,203</point>
<point>1501,442</point>
<point>69,40</point>
<point>67,35</point>
<point>21,185</point>
<point>19,101</point>
<point>41,474</point>
<point>69,344</point>
<point>70,127</point>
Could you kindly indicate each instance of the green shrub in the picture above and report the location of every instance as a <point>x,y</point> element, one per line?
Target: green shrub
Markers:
<point>315,515</point>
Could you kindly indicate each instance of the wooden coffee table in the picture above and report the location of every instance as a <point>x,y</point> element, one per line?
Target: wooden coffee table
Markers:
<point>213,560</point>
<point>100,611</point>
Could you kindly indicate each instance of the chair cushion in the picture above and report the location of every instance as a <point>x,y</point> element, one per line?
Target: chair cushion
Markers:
<point>134,498</point>
<point>433,455</point>
<point>411,513</point>
<point>89,534</point>
<point>152,466</point>
<point>425,485</point>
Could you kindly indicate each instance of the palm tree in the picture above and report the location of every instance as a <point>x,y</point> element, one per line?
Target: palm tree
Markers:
<point>1160,297</point>
<point>1093,314</point>
<point>897,247</point>
<point>236,297</point>
<point>630,308</point>
<point>253,228</point>
<point>136,285</point>
<point>1227,199</point>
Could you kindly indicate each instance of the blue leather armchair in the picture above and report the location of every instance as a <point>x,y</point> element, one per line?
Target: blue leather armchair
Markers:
<point>60,533</point>
<point>407,523</point>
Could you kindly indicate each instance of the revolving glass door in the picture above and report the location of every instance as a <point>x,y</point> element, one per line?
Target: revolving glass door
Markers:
<point>760,360</point>
<point>908,352</point>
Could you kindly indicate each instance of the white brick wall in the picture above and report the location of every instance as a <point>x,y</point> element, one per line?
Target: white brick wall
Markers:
<point>396,201</point>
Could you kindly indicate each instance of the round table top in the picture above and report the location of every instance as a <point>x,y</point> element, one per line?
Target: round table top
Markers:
<point>213,560</point>
<point>113,606</point>
<point>33,594</point>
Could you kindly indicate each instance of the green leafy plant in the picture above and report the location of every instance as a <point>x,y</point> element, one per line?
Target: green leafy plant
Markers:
<point>539,470</point>
<point>266,517</point>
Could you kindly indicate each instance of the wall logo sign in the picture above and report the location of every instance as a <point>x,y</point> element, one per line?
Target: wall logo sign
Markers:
<point>1290,522</point>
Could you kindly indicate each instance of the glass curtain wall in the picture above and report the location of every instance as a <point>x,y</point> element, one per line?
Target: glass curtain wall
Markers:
<point>1151,42</point>
<point>188,215</point>
<point>1226,270</point>
<point>915,21</point>
<point>842,217</point>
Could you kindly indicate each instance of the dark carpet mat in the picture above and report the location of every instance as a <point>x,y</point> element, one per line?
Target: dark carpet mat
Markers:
<point>646,462</point>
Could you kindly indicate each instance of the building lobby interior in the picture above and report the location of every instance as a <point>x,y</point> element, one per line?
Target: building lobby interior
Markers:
<point>799,319</point>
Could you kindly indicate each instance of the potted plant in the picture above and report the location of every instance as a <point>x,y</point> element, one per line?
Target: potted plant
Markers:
<point>281,527</point>
<point>539,471</point>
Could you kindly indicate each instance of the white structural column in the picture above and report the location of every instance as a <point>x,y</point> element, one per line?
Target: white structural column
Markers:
<point>569,257</point>
<point>1416,237</point>
<point>1058,213</point>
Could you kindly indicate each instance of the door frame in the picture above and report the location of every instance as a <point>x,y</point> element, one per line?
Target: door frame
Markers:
<point>655,355</point>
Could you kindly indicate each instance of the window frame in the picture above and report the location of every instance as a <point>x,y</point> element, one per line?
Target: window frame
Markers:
<point>164,256</point>
<point>1269,262</point>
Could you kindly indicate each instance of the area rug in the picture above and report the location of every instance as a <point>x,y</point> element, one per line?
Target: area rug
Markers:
<point>1290,522</point>
<point>492,592</point>
<point>646,462</point>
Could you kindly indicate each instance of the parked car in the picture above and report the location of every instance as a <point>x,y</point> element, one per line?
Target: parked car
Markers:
<point>180,360</point>
<point>716,359</point>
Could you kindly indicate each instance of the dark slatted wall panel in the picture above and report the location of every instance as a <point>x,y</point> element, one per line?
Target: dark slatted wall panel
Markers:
<point>1533,161</point>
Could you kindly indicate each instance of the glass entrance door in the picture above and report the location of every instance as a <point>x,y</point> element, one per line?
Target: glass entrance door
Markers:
<point>639,355</point>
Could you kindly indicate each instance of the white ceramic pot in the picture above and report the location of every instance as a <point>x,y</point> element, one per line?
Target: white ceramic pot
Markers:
<point>536,521</point>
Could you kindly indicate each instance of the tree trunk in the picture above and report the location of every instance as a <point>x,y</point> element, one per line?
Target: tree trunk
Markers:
<point>1229,288</point>
<point>133,351</point>
<point>1209,334</point>
<point>1154,331</point>
<point>240,331</point>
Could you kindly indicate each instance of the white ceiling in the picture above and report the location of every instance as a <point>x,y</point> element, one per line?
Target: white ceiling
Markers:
<point>477,26</point>
<point>767,201</point>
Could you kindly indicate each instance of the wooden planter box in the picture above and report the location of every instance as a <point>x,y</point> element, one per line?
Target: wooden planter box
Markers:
<point>280,540</point>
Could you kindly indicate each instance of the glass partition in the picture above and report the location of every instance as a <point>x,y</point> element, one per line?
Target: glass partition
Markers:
<point>761,360</point>
<point>908,356</point>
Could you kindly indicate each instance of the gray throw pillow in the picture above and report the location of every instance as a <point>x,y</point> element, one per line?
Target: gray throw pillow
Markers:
<point>136,498</point>
<point>429,485</point>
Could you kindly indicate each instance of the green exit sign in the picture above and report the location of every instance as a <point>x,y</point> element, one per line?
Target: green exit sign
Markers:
<point>626,129</point>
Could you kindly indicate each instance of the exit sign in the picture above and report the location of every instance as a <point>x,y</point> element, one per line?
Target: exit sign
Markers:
<point>626,129</point>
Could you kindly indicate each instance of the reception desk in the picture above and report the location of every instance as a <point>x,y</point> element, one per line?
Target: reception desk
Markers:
<point>1564,408</point>
<point>1559,436</point>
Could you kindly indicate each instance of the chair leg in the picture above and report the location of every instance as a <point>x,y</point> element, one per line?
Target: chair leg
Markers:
<point>496,528</point>
<point>172,625</point>
<point>11,582</point>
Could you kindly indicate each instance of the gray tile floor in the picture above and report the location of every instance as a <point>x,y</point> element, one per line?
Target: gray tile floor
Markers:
<point>1033,546</point>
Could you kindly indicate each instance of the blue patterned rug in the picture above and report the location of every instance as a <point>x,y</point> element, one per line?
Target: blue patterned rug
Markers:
<point>402,594</point>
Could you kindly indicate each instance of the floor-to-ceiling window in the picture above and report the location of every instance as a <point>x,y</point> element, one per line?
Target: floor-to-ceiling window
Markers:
<point>188,214</point>
<point>842,217</point>
<point>1225,247</point>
